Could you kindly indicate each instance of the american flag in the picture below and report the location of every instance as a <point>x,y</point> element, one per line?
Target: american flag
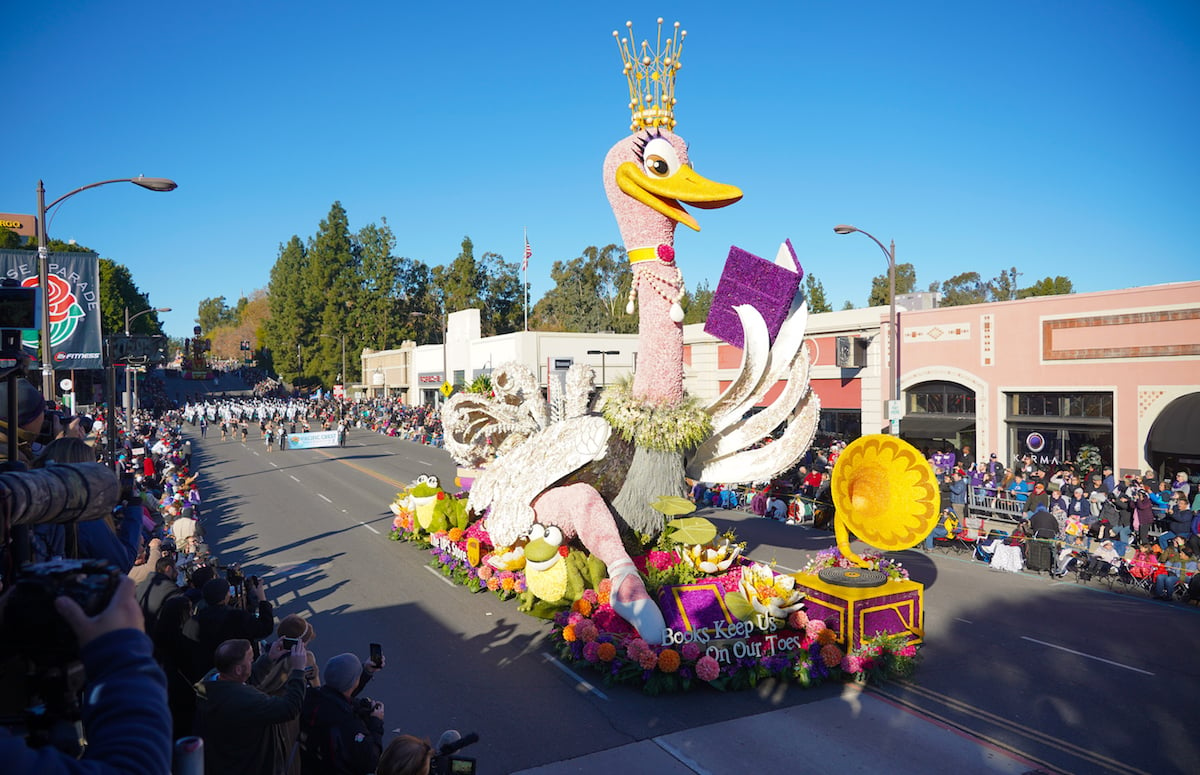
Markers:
<point>528,253</point>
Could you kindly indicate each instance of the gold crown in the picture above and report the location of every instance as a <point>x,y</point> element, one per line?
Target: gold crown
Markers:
<point>651,77</point>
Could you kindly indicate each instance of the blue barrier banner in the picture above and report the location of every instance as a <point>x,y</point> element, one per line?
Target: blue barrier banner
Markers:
<point>312,440</point>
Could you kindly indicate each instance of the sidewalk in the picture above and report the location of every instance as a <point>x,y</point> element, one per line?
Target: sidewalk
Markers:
<point>856,732</point>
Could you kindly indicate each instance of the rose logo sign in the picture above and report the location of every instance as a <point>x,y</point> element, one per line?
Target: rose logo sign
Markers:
<point>65,311</point>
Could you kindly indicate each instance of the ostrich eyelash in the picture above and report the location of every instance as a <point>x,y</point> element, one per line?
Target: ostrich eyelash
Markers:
<point>639,143</point>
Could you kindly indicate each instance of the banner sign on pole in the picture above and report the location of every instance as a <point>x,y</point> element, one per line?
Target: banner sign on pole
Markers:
<point>74,300</point>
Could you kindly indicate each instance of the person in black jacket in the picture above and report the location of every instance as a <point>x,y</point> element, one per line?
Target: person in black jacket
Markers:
<point>157,590</point>
<point>216,622</point>
<point>340,735</point>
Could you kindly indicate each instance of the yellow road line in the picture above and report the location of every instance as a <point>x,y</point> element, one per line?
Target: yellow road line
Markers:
<point>368,472</point>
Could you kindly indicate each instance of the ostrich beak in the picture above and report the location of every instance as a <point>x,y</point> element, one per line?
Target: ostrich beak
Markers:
<point>665,194</point>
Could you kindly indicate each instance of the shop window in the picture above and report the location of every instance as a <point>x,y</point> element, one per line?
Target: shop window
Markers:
<point>940,398</point>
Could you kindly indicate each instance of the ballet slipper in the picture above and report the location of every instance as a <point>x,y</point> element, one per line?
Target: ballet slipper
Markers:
<point>640,611</point>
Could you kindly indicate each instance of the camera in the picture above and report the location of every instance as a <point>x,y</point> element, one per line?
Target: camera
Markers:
<point>32,622</point>
<point>446,761</point>
<point>364,707</point>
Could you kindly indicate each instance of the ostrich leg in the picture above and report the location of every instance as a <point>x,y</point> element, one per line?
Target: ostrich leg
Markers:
<point>578,510</point>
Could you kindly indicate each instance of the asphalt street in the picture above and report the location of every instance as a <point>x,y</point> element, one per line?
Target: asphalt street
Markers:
<point>1029,674</point>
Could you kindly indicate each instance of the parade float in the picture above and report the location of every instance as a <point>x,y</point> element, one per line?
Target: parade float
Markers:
<point>582,520</point>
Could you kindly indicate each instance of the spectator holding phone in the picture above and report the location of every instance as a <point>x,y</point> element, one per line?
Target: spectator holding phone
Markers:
<point>239,723</point>
<point>216,621</point>
<point>339,734</point>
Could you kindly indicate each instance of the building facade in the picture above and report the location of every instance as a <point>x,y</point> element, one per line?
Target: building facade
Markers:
<point>1117,370</point>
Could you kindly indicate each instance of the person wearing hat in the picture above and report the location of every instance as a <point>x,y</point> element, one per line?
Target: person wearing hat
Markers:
<point>1100,563</point>
<point>31,409</point>
<point>216,621</point>
<point>337,733</point>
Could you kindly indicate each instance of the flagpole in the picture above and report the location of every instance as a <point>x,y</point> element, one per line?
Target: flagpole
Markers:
<point>525,284</point>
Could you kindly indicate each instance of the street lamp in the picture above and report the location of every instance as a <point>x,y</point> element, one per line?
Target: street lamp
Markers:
<point>153,184</point>
<point>128,391</point>
<point>603,354</point>
<point>894,349</point>
<point>343,374</point>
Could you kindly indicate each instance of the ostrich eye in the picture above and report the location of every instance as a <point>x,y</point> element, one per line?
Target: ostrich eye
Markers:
<point>554,536</point>
<point>660,159</point>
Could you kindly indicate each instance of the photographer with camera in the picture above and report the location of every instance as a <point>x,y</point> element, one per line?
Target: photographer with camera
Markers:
<point>239,723</point>
<point>339,734</point>
<point>124,715</point>
<point>218,619</point>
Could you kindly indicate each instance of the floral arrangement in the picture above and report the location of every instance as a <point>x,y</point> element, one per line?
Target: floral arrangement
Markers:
<point>833,558</point>
<point>674,428</point>
<point>593,637</point>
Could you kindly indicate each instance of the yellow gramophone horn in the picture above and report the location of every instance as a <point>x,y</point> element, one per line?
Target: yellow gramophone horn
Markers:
<point>885,492</point>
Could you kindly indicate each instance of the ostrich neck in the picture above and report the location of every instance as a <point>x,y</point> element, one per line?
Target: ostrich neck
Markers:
<point>659,376</point>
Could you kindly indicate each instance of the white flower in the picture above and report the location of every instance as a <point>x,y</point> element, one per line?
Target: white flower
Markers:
<point>770,594</point>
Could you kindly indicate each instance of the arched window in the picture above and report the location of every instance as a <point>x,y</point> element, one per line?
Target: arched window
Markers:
<point>940,398</point>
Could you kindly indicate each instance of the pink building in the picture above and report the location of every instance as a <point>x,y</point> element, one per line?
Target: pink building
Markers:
<point>1043,376</point>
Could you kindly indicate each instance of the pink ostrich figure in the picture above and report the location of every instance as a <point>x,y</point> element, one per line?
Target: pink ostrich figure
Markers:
<point>578,474</point>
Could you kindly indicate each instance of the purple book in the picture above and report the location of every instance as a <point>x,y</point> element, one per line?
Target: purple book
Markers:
<point>768,286</point>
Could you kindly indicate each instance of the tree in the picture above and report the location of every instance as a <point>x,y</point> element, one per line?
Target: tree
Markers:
<point>9,239</point>
<point>964,288</point>
<point>697,304</point>
<point>375,314</point>
<point>847,304</point>
<point>1047,286</point>
<point>213,313</point>
<point>333,277</point>
<point>906,282</point>
<point>589,293</point>
<point>1004,285</point>
<point>814,292</point>
<point>117,293</point>
<point>288,325</point>
<point>503,295</point>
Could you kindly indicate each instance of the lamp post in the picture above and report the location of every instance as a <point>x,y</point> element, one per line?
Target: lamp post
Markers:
<point>603,354</point>
<point>894,349</point>
<point>128,391</point>
<point>153,184</point>
<point>342,337</point>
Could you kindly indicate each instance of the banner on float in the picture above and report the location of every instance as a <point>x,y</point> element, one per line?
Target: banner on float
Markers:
<point>74,301</point>
<point>312,440</point>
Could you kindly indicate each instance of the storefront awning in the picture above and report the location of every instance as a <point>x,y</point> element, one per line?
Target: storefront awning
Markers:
<point>1176,431</point>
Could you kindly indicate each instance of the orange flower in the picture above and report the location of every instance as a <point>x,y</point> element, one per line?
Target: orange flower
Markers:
<point>508,583</point>
<point>607,652</point>
<point>604,591</point>
<point>831,655</point>
<point>568,633</point>
<point>668,660</point>
<point>582,606</point>
<point>826,636</point>
<point>455,534</point>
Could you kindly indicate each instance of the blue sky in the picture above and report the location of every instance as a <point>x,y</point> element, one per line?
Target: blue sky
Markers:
<point>1056,136</point>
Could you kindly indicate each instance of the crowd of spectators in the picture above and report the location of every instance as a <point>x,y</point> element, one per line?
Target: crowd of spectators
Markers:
<point>188,646</point>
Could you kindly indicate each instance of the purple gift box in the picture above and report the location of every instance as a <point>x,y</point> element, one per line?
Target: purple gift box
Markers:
<point>768,286</point>
<point>688,607</point>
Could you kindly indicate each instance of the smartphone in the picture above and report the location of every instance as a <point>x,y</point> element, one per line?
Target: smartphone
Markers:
<point>290,643</point>
<point>377,654</point>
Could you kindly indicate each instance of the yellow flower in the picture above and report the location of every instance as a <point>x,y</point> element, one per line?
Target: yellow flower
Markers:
<point>885,493</point>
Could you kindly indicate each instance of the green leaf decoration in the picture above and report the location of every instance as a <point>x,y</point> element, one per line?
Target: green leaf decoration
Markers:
<point>692,531</point>
<point>673,505</point>
<point>739,605</point>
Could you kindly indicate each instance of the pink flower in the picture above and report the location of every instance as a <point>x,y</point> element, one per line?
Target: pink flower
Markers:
<point>814,627</point>
<point>591,596</point>
<point>662,560</point>
<point>907,651</point>
<point>648,660</point>
<point>797,620</point>
<point>485,571</point>
<point>635,648</point>
<point>575,618</point>
<point>852,664</point>
<point>608,620</point>
<point>586,630</point>
<point>690,652</point>
<point>591,651</point>
<point>707,669</point>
